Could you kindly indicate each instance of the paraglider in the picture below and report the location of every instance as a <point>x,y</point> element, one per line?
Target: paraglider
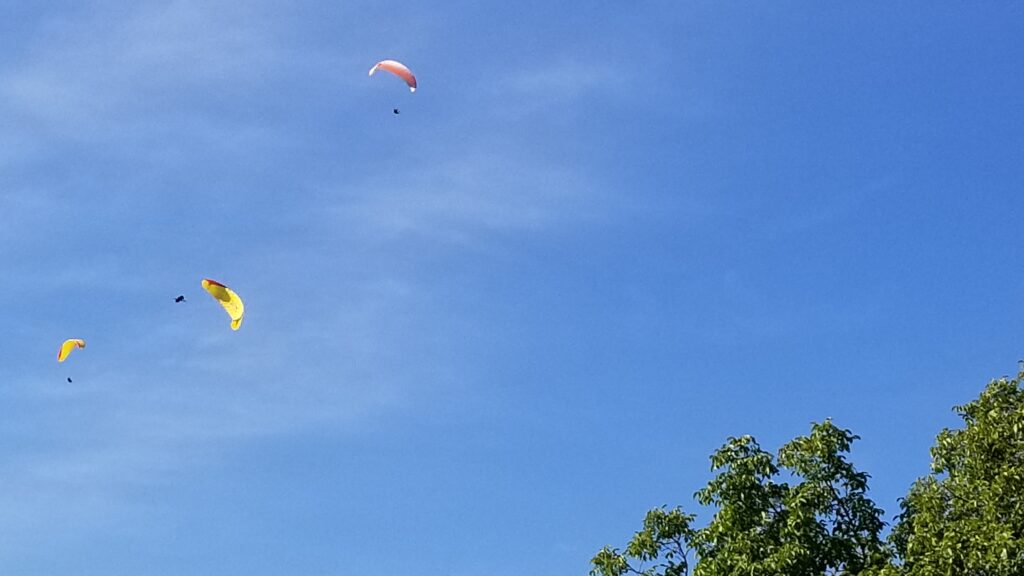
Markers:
<point>395,111</point>
<point>398,69</point>
<point>230,301</point>
<point>69,345</point>
<point>180,298</point>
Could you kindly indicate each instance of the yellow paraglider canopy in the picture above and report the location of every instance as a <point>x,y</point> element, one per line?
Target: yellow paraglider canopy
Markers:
<point>69,345</point>
<point>228,299</point>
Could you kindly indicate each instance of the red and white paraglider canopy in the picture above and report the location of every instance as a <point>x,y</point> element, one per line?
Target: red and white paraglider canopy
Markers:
<point>398,69</point>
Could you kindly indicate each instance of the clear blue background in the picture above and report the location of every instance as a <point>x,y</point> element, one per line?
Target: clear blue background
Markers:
<point>484,336</point>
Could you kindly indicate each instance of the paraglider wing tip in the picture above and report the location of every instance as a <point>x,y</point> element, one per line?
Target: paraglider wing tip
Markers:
<point>412,88</point>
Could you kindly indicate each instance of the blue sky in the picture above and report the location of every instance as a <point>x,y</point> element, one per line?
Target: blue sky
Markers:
<point>487,334</point>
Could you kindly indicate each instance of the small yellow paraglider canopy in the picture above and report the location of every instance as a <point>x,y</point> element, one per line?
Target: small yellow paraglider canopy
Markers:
<point>69,345</point>
<point>228,299</point>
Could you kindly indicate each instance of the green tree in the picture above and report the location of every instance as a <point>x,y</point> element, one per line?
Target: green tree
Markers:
<point>802,512</point>
<point>967,516</point>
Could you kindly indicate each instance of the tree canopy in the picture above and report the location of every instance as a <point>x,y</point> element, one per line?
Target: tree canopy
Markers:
<point>805,510</point>
<point>967,516</point>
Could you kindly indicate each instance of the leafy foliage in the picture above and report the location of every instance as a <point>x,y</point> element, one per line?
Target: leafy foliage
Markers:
<point>805,511</point>
<point>967,516</point>
<point>821,522</point>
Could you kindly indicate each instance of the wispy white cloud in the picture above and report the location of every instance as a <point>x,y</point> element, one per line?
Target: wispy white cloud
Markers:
<point>155,81</point>
<point>563,78</point>
<point>152,399</point>
<point>334,339</point>
<point>153,405</point>
<point>466,192</point>
<point>553,84</point>
<point>121,67</point>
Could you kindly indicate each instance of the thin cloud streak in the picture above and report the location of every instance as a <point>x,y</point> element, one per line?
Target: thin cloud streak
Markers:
<point>461,195</point>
